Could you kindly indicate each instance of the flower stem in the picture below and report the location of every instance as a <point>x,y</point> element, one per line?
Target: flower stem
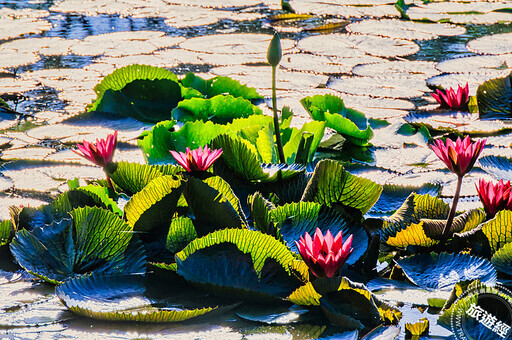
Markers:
<point>276,119</point>
<point>109,182</point>
<point>451,215</point>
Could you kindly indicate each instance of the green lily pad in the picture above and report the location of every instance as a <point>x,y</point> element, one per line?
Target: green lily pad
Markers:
<point>242,157</point>
<point>350,123</point>
<point>443,271</point>
<point>495,98</point>
<point>133,177</point>
<point>331,185</point>
<point>502,259</point>
<point>404,292</point>
<point>460,12</point>
<point>239,262</point>
<point>220,109</point>
<point>380,87</point>
<point>487,64</point>
<point>153,207</point>
<point>220,85</point>
<point>497,230</point>
<point>295,219</point>
<point>181,233</point>
<point>124,298</point>
<point>213,204</point>
<point>93,240</point>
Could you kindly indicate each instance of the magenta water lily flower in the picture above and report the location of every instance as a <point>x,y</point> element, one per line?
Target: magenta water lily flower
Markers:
<point>324,255</point>
<point>198,159</point>
<point>100,153</point>
<point>459,156</point>
<point>494,196</point>
<point>453,99</point>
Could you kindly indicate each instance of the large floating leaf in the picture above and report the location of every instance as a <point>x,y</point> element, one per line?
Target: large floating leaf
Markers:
<point>443,271</point>
<point>295,219</point>
<point>502,259</point>
<point>213,204</point>
<point>181,232</point>
<point>278,314</point>
<point>331,185</point>
<point>133,177</point>
<point>347,304</point>
<point>220,85</point>
<point>93,240</point>
<point>499,230</point>
<point>350,123</point>
<point>428,232</point>
<point>393,196</point>
<point>498,167</point>
<point>157,142</point>
<point>145,100</point>
<point>153,206</point>
<point>219,109</point>
<point>239,262</point>
<point>6,232</point>
<point>123,298</point>
<point>495,98</point>
<point>243,159</point>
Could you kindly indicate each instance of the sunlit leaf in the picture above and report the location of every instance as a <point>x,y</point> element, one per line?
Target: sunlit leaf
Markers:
<point>331,184</point>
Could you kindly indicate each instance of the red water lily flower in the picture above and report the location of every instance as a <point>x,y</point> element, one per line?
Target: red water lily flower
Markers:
<point>324,255</point>
<point>100,153</point>
<point>451,98</point>
<point>460,156</point>
<point>198,159</point>
<point>494,196</point>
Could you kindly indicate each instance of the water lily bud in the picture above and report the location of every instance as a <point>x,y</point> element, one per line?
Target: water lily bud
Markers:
<point>274,52</point>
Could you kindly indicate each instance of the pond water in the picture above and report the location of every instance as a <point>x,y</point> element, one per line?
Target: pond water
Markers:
<point>52,54</point>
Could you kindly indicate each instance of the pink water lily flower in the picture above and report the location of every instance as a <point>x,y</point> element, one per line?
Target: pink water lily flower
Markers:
<point>494,196</point>
<point>100,153</point>
<point>451,98</point>
<point>198,159</point>
<point>459,156</point>
<point>324,255</point>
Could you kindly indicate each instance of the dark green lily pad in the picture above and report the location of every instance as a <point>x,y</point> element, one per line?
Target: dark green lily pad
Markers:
<point>495,99</point>
<point>239,262</point>
<point>443,271</point>
<point>93,240</point>
<point>123,298</point>
<point>295,219</point>
<point>153,207</point>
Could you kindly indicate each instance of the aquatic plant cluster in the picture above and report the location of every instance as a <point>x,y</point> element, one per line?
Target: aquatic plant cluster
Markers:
<point>235,212</point>
<point>239,209</point>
